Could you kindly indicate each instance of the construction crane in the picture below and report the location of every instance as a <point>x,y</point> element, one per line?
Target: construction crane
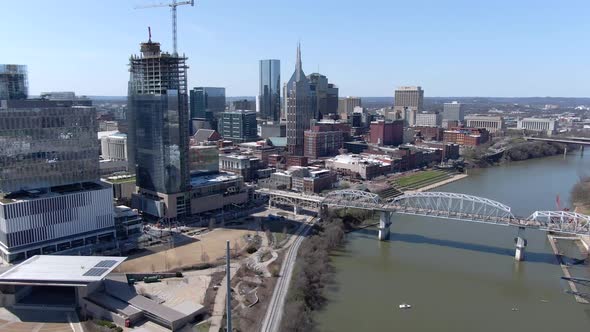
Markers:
<point>172,6</point>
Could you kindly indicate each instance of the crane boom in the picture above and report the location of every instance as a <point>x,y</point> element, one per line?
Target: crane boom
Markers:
<point>172,6</point>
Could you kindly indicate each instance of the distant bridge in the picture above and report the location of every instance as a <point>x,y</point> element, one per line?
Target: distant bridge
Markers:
<point>438,205</point>
<point>566,140</point>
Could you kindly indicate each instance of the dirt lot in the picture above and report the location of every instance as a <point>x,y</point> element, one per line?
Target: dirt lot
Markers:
<point>211,243</point>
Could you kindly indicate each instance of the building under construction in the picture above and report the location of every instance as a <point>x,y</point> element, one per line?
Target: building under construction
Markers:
<point>158,131</point>
<point>13,82</point>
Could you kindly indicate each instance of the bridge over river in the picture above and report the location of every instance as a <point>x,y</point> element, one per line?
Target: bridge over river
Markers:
<point>444,205</point>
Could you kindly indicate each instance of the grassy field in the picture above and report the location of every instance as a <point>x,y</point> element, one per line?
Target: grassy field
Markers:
<point>419,177</point>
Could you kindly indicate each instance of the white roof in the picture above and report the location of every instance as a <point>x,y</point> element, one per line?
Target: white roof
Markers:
<point>56,269</point>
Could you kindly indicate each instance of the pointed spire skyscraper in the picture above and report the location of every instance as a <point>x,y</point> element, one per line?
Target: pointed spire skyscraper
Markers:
<point>298,108</point>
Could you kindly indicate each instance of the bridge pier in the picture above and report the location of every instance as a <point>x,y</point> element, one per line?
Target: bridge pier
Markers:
<point>521,243</point>
<point>384,223</point>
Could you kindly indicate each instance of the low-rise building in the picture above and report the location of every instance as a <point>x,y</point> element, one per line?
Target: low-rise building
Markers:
<point>245,166</point>
<point>466,136</point>
<point>363,166</point>
<point>127,222</point>
<point>547,126</point>
<point>493,124</point>
<point>387,133</point>
<point>429,133</point>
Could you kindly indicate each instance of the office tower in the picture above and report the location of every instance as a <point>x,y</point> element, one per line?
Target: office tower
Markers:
<point>158,121</point>
<point>206,102</point>
<point>238,126</point>
<point>269,95</point>
<point>408,102</point>
<point>428,119</point>
<point>298,108</point>
<point>346,106</point>
<point>13,82</point>
<point>51,199</point>
<point>323,95</point>
<point>453,111</point>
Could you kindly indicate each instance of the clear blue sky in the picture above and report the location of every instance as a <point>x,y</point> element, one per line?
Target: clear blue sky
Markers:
<point>367,48</point>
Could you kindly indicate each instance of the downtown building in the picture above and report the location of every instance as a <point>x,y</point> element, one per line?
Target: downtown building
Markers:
<point>323,95</point>
<point>13,82</point>
<point>51,197</point>
<point>269,92</point>
<point>453,111</point>
<point>158,132</point>
<point>493,124</point>
<point>539,125</point>
<point>205,105</point>
<point>428,120</point>
<point>408,102</point>
<point>347,105</point>
<point>325,138</point>
<point>238,126</point>
<point>299,109</point>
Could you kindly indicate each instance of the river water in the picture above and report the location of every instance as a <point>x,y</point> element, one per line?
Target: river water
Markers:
<point>461,276</point>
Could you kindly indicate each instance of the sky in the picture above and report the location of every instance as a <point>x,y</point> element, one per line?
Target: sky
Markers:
<point>500,48</point>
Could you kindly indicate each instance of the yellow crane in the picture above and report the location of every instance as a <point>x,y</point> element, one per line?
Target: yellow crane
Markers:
<point>172,6</point>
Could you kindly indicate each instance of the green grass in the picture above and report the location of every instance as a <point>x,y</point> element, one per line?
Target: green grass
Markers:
<point>204,327</point>
<point>415,178</point>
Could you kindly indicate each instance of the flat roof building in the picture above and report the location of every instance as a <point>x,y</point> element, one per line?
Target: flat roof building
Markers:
<point>493,124</point>
<point>547,126</point>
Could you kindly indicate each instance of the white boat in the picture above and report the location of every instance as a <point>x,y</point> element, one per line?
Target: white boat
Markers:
<point>404,306</point>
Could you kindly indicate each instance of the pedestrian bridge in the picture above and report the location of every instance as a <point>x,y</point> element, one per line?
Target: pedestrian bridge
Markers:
<point>444,205</point>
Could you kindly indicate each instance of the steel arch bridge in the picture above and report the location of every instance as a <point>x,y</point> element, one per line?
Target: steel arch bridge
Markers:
<point>459,207</point>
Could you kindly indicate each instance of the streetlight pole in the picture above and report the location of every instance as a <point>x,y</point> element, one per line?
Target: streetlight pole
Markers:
<point>227,277</point>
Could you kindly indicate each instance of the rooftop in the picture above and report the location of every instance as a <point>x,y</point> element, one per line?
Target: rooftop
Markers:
<point>29,195</point>
<point>103,134</point>
<point>50,269</point>
<point>209,179</point>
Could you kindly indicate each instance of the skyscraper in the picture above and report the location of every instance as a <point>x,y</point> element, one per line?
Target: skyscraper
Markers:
<point>158,121</point>
<point>13,82</point>
<point>206,102</point>
<point>453,111</point>
<point>298,108</point>
<point>323,95</point>
<point>269,95</point>
<point>408,102</point>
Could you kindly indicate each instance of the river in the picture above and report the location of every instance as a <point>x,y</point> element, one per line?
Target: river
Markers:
<point>461,276</point>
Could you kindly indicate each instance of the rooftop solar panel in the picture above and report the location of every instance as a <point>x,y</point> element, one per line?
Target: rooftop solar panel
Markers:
<point>95,272</point>
<point>106,263</point>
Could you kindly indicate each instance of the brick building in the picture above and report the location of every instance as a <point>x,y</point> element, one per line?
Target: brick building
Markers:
<point>387,133</point>
<point>466,136</point>
<point>325,139</point>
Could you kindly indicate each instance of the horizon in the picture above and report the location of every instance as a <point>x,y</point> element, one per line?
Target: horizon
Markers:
<point>450,49</point>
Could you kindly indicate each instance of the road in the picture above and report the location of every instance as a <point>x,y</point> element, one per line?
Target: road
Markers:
<point>274,313</point>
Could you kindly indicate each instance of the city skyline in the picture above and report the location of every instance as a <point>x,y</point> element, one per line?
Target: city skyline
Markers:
<point>451,49</point>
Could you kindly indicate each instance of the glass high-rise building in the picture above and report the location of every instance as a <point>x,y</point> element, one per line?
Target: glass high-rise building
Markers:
<point>269,96</point>
<point>47,147</point>
<point>158,120</point>
<point>299,108</point>
<point>206,102</point>
<point>13,82</point>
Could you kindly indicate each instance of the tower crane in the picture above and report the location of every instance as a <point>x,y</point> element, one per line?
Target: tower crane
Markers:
<point>172,6</point>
